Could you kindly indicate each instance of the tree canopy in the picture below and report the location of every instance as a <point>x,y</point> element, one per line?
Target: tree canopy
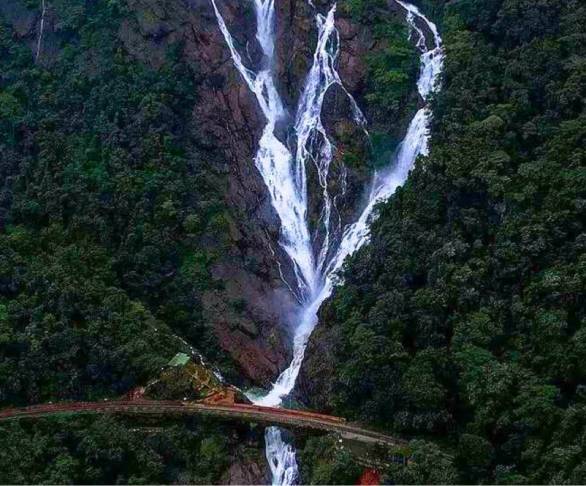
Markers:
<point>463,322</point>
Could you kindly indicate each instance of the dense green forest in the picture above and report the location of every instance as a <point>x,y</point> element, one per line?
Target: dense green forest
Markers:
<point>107,196</point>
<point>462,326</point>
<point>463,323</point>
<point>104,450</point>
<point>105,202</point>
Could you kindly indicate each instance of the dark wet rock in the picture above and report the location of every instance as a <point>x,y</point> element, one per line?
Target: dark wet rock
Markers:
<point>251,308</point>
<point>247,467</point>
<point>315,382</point>
<point>297,36</point>
<point>249,312</point>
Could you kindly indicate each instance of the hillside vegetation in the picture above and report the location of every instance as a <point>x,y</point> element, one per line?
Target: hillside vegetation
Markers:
<point>464,322</point>
<point>105,203</point>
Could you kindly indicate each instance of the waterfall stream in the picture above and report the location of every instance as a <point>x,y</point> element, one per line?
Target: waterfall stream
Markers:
<point>284,174</point>
<point>41,30</point>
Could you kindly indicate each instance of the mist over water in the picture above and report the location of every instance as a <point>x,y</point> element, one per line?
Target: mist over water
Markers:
<point>284,174</point>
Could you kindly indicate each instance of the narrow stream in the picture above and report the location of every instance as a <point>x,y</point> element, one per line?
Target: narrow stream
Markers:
<point>284,174</point>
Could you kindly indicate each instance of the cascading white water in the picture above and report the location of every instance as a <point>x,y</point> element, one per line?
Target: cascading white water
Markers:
<point>313,143</point>
<point>285,178</point>
<point>41,30</point>
<point>273,159</point>
<point>281,458</point>
<point>384,185</point>
<point>285,175</point>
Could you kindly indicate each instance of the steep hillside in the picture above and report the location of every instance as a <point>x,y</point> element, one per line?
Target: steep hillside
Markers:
<point>134,223</point>
<point>463,322</point>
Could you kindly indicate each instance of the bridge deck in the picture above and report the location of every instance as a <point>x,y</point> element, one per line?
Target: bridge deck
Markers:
<point>250,413</point>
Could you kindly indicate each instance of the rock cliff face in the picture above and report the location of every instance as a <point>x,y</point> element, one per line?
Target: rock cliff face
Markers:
<point>249,310</point>
<point>247,468</point>
<point>315,382</point>
<point>251,307</point>
<point>229,119</point>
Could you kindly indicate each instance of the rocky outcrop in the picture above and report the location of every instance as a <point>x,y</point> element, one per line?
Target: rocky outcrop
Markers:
<point>247,313</point>
<point>316,377</point>
<point>251,302</point>
<point>251,306</point>
<point>297,38</point>
<point>247,470</point>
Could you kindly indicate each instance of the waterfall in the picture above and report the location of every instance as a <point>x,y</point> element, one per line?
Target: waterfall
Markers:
<point>313,143</point>
<point>285,176</point>
<point>281,458</point>
<point>273,159</point>
<point>41,30</point>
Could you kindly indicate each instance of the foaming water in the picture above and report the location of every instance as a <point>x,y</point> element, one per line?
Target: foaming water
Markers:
<point>281,458</point>
<point>385,183</point>
<point>313,144</point>
<point>285,176</point>
<point>273,159</point>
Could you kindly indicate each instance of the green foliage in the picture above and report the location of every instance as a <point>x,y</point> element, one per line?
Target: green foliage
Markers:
<point>428,465</point>
<point>464,319</point>
<point>107,198</point>
<point>363,10</point>
<point>10,108</point>
<point>392,70</point>
<point>104,450</point>
<point>323,461</point>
